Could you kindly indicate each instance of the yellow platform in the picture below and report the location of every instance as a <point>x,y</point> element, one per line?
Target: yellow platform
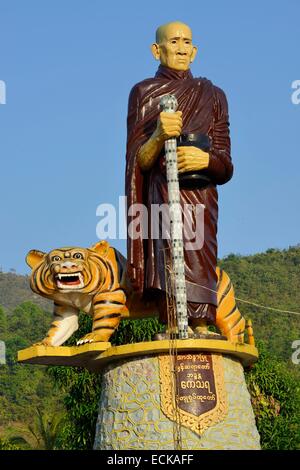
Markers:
<point>94,356</point>
<point>76,356</point>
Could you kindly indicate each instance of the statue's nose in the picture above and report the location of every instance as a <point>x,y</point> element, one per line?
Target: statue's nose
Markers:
<point>68,264</point>
<point>181,48</point>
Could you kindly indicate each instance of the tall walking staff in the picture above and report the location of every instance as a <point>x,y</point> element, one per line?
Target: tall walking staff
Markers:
<point>169,104</point>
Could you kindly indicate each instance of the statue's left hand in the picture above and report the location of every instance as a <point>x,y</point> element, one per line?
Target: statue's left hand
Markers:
<point>191,159</point>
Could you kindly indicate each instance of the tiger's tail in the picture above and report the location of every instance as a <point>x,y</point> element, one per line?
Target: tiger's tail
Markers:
<point>228,318</point>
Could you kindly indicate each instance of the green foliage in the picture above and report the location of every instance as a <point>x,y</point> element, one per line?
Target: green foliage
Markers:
<point>135,331</point>
<point>275,396</point>
<point>29,319</point>
<point>7,445</point>
<point>42,434</point>
<point>3,323</point>
<point>81,391</point>
<point>270,279</point>
<point>24,388</point>
<point>45,430</point>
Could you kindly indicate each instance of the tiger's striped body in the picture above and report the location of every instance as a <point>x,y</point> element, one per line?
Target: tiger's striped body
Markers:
<point>80,279</point>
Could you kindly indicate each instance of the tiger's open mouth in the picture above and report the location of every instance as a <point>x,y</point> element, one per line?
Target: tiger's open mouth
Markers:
<point>69,281</point>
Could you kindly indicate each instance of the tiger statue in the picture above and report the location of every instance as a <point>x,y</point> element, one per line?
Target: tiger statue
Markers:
<point>93,280</point>
<point>87,279</point>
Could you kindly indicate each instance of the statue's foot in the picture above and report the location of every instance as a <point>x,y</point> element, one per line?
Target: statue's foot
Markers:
<point>95,337</point>
<point>166,335</point>
<point>208,335</point>
<point>201,331</point>
<point>161,336</point>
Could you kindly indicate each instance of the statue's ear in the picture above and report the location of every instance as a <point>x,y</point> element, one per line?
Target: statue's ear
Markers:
<point>101,248</point>
<point>194,53</point>
<point>155,49</point>
<point>34,257</point>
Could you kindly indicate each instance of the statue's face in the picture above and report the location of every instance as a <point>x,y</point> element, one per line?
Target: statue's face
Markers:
<point>175,49</point>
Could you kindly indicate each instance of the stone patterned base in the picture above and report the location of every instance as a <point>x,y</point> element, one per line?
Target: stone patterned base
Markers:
<point>130,416</point>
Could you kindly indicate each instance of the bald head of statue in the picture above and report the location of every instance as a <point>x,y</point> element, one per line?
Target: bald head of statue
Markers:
<point>173,46</point>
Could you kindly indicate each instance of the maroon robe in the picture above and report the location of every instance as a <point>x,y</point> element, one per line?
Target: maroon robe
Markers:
<point>204,111</point>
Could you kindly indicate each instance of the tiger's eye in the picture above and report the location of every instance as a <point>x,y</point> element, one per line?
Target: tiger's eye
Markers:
<point>56,258</point>
<point>78,256</point>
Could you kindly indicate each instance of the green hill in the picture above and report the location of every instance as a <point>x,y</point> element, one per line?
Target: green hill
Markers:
<point>14,289</point>
<point>271,279</point>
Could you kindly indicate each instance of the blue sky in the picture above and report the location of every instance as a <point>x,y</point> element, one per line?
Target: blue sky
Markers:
<point>69,65</point>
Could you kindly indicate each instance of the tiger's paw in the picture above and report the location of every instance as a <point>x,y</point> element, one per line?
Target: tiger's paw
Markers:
<point>94,337</point>
<point>44,342</point>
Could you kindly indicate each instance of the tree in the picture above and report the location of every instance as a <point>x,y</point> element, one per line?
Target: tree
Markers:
<point>7,445</point>
<point>31,320</point>
<point>3,323</point>
<point>275,396</point>
<point>45,430</point>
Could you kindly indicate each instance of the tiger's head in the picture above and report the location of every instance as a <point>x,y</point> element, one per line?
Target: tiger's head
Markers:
<point>68,269</point>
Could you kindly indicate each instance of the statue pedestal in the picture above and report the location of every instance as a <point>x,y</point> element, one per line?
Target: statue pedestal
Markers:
<point>136,412</point>
<point>137,408</point>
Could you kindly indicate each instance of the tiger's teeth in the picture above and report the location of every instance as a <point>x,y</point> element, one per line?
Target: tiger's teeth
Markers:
<point>60,275</point>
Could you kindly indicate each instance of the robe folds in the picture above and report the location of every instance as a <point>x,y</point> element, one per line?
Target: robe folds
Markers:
<point>204,111</point>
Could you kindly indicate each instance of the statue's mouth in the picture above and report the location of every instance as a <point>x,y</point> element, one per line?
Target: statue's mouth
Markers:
<point>69,280</point>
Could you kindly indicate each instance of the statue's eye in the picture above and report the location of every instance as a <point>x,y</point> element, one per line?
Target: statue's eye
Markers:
<point>78,256</point>
<point>56,258</point>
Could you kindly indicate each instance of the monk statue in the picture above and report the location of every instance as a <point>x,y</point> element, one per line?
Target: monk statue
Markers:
<point>201,126</point>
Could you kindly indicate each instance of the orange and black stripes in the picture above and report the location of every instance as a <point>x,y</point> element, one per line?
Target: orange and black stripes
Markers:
<point>108,308</point>
<point>229,319</point>
<point>59,313</point>
<point>109,304</point>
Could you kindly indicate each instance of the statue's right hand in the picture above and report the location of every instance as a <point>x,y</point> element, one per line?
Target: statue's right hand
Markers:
<point>169,125</point>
